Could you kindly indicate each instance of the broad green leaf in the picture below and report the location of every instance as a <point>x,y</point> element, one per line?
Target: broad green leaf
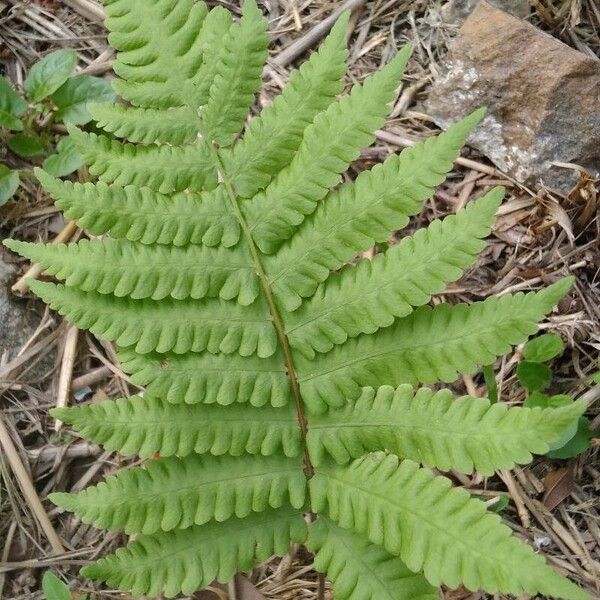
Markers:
<point>47,75</point>
<point>543,348</point>
<point>537,399</point>
<point>65,161</point>
<point>10,101</point>
<point>533,375</point>
<point>9,182</point>
<point>72,97</point>
<point>577,443</point>
<point>54,588</point>
<point>9,121</point>
<point>501,503</point>
<point>26,145</point>
<point>491,383</point>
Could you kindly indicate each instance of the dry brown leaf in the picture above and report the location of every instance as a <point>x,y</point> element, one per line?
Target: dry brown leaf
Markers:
<point>558,486</point>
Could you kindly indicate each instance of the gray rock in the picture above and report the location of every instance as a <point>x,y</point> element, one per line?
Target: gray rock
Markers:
<point>16,322</point>
<point>456,11</point>
<point>543,98</point>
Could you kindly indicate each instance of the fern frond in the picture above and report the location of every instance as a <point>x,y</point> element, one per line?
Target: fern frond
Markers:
<point>146,426</point>
<point>142,215</point>
<point>363,298</point>
<point>432,527</point>
<point>186,560</point>
<point>228,286</point>
<point>147,125</point>
<point>273,136</point>
<point>132,270</point>
<point>352,219</point>
<point>329,145</point>
<point>360,570</point>
<point>210,378</point>
<point>175,493</point>
<point>237,76</point>
<point>168,325</point>
<point>162,168</point>
<point>427,346</point>
<point>159,45</point>
<point>434,429</point>
<point>217,24</point>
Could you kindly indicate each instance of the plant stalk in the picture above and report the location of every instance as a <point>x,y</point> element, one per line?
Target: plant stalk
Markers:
<point>277,320</point>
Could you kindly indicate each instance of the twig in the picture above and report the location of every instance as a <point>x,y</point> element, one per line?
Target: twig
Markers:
<point>64,558</point>
<point>66,371</point>
<point>6,552</point>
<point>102,64</point>
<point>321,588</point>
<point>34,271</point>
<point>517,496</point>
<point>88,9</point>
<point>94,376</point>
<point>311,37</point>
<point>14,460</point>
<point>49,453</point>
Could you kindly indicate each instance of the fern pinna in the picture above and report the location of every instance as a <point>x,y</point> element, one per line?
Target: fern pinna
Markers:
<point>282,383</point>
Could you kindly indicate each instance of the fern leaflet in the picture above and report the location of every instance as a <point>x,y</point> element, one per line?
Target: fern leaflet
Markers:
<point>432,527</point>
<point>185,560</point>
<point>465,434</point>
<point>175,493</point>
<point>146,426</point>
<point>360,570</point>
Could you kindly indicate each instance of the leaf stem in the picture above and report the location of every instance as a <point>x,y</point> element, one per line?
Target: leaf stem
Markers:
<point>275,315</point>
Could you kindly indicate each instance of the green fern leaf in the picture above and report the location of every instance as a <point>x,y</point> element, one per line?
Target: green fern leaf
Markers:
<point>237,76</point>
<point>162,168</point>
<point>131,270</point>
<point>274,135</point>
<point>352,219</point>
<point>216,27</point>
<point>175,493</point>
<point>147,125</point>
<point>185,560</point>
<point>434,429</point>
<point>210,378</point>
<point>160,46</point>
<point>428,345</point>
<point>329,145</point>
<point>146,426</point>
<point>371,295</point>
<point>216,325</point>
<point>433,527</point>
<point>142,215</point>
<point>227,289</point>
<point>360,570</point>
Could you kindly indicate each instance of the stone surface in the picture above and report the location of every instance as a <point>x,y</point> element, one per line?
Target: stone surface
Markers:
<point>456,11</point>
<point>543,98</point>
<point>16,322</point>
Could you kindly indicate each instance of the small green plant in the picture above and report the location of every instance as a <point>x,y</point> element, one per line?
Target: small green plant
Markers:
<point>55,589</point>
<point>535,377</point>
<point>51,95</point>
<point>284,381</point>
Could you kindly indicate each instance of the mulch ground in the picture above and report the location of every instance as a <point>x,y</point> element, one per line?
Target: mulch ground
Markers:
<point>539,235</point>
